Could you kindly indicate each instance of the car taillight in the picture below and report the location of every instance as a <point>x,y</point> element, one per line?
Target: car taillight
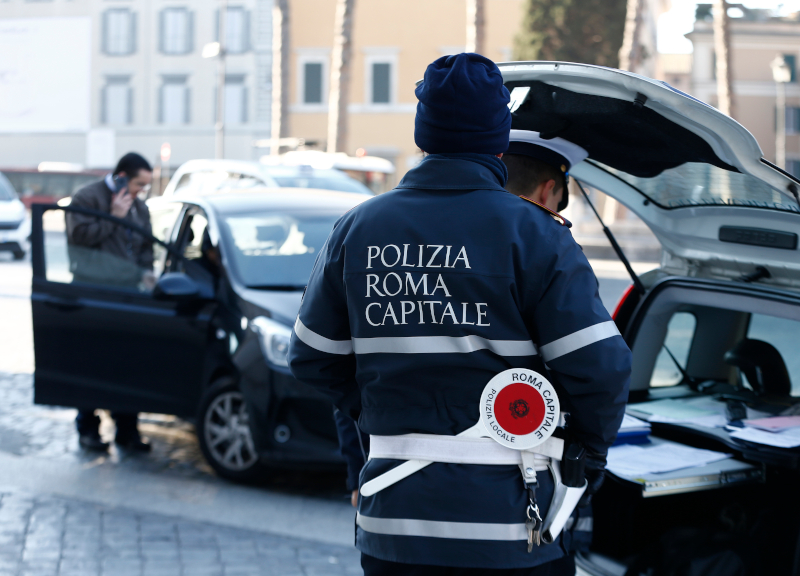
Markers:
<point>622,301</point>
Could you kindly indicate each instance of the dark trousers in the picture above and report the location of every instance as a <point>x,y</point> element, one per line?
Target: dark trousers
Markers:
<point>375,567</point>
<point>87,422</point>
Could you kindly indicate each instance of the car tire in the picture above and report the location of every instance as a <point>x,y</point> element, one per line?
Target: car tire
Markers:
<point>224,433</point>
<point>18,254</point>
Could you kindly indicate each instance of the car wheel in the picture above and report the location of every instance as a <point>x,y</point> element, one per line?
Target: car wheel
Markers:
<point>19,254</point>
<point>223,431</point>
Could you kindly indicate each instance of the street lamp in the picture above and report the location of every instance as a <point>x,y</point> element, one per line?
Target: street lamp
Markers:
<point>217,50</point>
<point>782,74</point>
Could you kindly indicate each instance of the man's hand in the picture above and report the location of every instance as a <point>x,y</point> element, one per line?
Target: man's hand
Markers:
<point>121,203</point>
<point>354,498</point>
<point>594,479</point>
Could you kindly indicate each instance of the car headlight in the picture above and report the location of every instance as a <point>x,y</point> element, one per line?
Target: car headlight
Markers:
<point>274,338</point>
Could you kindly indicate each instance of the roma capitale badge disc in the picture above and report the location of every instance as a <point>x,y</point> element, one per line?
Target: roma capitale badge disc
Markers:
<point>519,408</point>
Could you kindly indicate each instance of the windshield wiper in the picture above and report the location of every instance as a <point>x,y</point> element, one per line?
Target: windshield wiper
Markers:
<point>277,287</point>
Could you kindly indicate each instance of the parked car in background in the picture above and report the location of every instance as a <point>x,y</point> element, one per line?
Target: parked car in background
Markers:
<point>15,224</point>
<point>713,329</point>
<point>373,172</point>
<point>205,176</point>
<point>50,182</point>
<point>305,176</point>
<point>209,341</point>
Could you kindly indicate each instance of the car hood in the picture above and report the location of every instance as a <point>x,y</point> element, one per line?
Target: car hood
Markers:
<point>282,306</point>
<point>694,175</point>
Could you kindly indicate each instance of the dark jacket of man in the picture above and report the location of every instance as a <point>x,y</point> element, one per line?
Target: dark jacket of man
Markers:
<point>418,299</point>
<point>102,252</point>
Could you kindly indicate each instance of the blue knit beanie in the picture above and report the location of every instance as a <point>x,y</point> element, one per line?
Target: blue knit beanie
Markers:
<point>463,107</point>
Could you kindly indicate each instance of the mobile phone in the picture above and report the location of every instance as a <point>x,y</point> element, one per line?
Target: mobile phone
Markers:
<point>120,183</point>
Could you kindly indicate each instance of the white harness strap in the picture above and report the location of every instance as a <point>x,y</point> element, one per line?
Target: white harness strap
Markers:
<point>460,450</point>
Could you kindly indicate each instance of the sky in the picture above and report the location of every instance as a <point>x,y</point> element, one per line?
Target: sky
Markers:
<point>679,20</point>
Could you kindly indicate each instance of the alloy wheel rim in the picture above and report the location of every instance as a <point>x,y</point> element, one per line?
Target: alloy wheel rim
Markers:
<point>227,432</point>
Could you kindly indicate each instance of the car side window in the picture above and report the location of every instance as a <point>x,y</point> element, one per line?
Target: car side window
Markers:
<point>81,248</point>
<point>194,225</point>
<point>781,333</point>
<point>676,347</point>
<point>163,218</point>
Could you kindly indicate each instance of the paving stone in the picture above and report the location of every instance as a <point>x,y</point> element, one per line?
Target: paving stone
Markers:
<point>43,535</point>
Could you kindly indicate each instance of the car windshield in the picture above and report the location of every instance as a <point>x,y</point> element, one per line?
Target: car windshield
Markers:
<point>700,184</point>
<point>6,189</point>
<point>272,250</point>
<point>341,184</point>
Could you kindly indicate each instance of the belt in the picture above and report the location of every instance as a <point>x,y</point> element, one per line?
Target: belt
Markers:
<point>460,450</point>
<point>420,450</point>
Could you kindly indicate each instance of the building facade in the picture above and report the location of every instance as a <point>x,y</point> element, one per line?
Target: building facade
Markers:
<point>756,37</point>
<point>393,42</point>
<point>134,73</point>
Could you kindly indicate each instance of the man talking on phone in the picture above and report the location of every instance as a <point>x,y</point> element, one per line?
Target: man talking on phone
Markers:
<point>101,252</point>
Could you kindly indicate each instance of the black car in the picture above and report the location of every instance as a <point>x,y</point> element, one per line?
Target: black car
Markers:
<point>207,338</point>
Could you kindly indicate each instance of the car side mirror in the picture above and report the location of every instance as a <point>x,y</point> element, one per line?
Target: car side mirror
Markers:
<point>176,286</point>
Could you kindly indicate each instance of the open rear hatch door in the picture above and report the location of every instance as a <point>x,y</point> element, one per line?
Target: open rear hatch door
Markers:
<point>695,176</point>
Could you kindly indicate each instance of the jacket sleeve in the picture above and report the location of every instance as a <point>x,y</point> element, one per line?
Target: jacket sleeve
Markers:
<point>321,349</point>
<point>588,360</point>
<point>85,230</point>
<point>353,444</point>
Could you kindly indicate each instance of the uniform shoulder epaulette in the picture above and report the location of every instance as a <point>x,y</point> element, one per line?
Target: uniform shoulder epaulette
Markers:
<point>556,216</point>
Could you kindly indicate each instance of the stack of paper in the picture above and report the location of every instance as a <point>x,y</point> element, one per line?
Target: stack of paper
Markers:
<point>698,410</point>
<point>632,431</point>
<point>775,424</point>
<point>703,411</point>
<point>632,461</point>
<point>789,438</point>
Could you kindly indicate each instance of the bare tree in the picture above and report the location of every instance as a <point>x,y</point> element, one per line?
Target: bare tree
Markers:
<point>722,50</point>
<point>631,54</point>
<point>340,76</point>
<point>281,46</point>
<point>476,26</point>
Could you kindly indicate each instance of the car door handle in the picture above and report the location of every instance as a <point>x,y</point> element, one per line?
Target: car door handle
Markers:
<point>64,305</point>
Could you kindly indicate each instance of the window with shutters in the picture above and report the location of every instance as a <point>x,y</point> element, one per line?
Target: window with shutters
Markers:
<point>174,101</point>
<point>791,61</point>
<point>312,79</point>
<point>237,30</point>
<point>176,31</point>
<point>380,76</point>
<point>312,83</point>
<point>792,120</point>
<point>235,100</point>
<point>116,102</point>
<point>119,32</point>
<point>381,83</point>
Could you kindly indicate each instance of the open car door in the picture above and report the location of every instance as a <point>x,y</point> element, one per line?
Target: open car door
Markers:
<point>108,333</point>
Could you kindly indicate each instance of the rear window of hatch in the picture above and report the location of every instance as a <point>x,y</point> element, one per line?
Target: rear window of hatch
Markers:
<point>700,184</point>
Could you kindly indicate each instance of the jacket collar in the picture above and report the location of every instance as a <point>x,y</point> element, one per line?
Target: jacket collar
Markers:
<point>457,172</point>
<point>109,181</point>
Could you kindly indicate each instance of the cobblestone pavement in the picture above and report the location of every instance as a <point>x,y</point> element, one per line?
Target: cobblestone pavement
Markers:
<point>49,432</point>
<point>52,535</point>
<point>44,536</point>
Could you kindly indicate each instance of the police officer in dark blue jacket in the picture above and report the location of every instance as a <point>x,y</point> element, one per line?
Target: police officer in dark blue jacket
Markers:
<point>424,294</point>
